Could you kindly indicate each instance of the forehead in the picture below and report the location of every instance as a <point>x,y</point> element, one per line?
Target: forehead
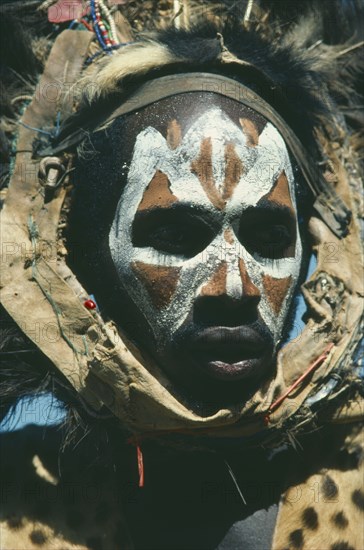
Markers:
<point>185,109</point>
<point>208,148</point>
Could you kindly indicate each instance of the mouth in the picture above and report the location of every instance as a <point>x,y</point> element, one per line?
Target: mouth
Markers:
<point>227,353</point>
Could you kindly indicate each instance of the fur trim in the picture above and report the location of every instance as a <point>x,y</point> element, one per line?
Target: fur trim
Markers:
<point>301,79</point>
<point>136,59</point>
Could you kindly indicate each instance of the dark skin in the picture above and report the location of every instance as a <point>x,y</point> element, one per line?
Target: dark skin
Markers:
<point>270,230</point>
<point>224,337</point>
<point>267,228</point>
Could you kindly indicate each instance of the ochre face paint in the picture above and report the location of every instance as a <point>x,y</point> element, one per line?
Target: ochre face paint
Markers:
<point>280,192</point>
<point>250,130</point>
<point>160,282</point>
<point>157,192</point>
<point>202,168</point>
<point>219,171</point>
<point>174,135</point>
<point>276,290</point>
<point>216,286</point>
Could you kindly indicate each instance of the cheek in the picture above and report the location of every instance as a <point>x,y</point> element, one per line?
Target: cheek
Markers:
<point>159,282</point>
<point>276,290</point>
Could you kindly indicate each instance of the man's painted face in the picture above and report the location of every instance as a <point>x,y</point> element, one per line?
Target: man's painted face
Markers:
<point>206,244</point>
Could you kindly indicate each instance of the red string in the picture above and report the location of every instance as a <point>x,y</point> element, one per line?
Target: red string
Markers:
<point>307,372</point>
<point>87,25</point>
<point>140,466</point>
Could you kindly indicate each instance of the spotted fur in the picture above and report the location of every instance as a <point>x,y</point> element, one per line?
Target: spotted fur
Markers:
<point>41,509</point>
<point>326,511</point>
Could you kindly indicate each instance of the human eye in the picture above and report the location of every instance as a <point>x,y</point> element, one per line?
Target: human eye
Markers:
<point>268,236</point>
<point>271,241</point>
<point>173,238</point>
<point>180,235</point>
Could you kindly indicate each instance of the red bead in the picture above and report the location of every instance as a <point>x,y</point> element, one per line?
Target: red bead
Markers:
<point>90,304</point>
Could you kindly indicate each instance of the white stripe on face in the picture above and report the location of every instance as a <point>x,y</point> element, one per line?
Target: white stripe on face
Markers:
<point>196,172</point>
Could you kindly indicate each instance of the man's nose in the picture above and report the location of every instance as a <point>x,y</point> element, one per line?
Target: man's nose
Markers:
<point>229,297</point>
<point>231,280</point>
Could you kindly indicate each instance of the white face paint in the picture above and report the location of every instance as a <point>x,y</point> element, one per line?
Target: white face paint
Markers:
<point>218,170</point>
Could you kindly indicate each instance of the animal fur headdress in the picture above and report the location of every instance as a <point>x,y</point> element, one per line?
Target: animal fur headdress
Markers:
<point>306,68</point>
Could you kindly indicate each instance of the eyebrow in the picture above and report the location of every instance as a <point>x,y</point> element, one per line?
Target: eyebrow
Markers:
<point>274,208</point>
<point>180,209</point>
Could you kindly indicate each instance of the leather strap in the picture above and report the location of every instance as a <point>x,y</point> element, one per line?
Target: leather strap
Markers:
<point>29,223</point>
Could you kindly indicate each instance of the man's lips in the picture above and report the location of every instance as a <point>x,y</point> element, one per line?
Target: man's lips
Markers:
<point>230,352</point>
